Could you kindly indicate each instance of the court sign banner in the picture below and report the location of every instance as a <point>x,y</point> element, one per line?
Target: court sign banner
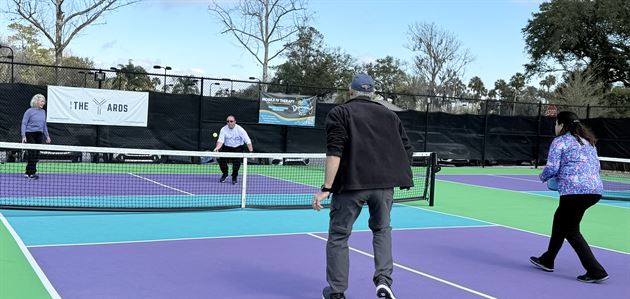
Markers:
<point>88,106</point>
<point>284,109</point>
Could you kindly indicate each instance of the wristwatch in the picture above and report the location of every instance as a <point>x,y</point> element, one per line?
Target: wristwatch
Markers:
<point>324,189</point>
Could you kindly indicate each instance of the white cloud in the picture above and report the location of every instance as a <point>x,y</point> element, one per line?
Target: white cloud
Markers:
<point>198,71</point>
<point>108,45</point>
<point>529,2</point>
<point>366,59</point>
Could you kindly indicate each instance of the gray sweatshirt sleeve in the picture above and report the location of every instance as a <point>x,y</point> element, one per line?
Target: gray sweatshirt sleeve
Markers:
<point>25,118</point>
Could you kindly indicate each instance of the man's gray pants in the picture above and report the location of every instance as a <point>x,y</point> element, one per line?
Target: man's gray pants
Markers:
<point>344,210</point>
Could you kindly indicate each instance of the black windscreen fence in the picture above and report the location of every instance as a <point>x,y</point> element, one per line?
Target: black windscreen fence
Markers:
<point>187,122</point>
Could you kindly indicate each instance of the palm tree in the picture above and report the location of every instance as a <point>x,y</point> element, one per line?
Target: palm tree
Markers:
<point>133,77</point>
<point>517,83</point>
<point>186,85</point>
<point>477,87</point>
<point>548,82</point>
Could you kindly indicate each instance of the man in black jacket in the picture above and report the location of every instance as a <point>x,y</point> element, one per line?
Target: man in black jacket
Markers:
<point>368,154</point>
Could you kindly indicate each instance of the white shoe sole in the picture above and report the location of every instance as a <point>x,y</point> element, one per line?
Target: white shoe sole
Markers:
<point>594,280</point>
<point>383,291</point>
<point>540,266</point>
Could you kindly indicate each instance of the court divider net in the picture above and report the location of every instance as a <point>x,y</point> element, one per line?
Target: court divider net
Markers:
<point>615,174</point>
<point>124,179</point>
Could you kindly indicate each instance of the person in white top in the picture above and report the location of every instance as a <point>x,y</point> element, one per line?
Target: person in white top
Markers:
<point>232,138</point>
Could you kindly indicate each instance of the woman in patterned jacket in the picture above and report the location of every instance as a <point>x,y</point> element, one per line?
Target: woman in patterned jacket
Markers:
<point>573,162</point>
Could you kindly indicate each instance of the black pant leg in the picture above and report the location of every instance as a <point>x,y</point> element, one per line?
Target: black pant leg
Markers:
<point>223,165</point>
<point>236,163</point>
<point>557,235</point>
<point>581,203</point>
<point>32,156</point>
<point>566,225</point>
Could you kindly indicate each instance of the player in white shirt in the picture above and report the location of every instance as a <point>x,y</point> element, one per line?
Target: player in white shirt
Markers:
<point>232,138</point>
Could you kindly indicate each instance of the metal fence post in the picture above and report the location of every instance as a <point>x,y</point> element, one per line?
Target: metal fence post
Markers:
<point>426,124</point>
<point>485,133</point>
<point>537,147</point>
<point>200,120</point>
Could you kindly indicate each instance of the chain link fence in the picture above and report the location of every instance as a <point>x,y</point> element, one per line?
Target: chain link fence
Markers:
<point>132,80</point>
<point>471,130</point>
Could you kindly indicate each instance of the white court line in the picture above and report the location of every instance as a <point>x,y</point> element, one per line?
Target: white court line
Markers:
<point>506,226</point>
<point>520,179</point>
<point>158,183</point>
<point>416,271</point>
<point>286,180</point>
<point>602,202</point>
<point>31,260</point>
<point>242,236</point>
<point>487,187</point>
<point>538,181</point>
<point>526,192</point>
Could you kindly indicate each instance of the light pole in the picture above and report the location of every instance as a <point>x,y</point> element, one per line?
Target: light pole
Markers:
<point>166,68</point>
<point>257,80</point>
<point>9,57</point>
<point>99,77</point>
<point>215,83</point>
<point>85,76</point>
<point>192,83</point>
<point>231,85</point>
<point>118,76</point>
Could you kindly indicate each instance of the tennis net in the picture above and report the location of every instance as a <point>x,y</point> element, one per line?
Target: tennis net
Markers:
<point>100,178</point>
<point>615,173</point>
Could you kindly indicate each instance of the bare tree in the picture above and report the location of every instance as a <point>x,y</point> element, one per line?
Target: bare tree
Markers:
<point>60,21</point>
<point>440,57</point>
<point>258,24</point>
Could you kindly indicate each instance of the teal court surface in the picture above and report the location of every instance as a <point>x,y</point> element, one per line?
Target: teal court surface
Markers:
<point>474,243</point>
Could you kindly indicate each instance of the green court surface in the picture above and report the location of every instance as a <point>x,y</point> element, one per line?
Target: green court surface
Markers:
<point>603,225</point>
<point>490,170</point>
<point>17,279</point>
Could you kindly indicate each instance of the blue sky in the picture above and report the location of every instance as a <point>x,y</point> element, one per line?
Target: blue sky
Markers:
<point>184,35</point>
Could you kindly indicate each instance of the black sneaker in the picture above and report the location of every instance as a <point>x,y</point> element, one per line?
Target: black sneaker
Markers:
<point>383,290</point>
<point>536,261</point>
<point>234,181</point>
<point>592,278</point>
<point>327,293</point>
<point>222,179</point>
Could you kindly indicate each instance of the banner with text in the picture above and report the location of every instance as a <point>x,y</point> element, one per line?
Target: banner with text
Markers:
<point>90,106</point>
<point>283,109</point>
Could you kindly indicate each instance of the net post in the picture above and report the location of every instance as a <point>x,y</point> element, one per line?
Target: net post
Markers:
<point>244,190</point>
<point>434,169</point>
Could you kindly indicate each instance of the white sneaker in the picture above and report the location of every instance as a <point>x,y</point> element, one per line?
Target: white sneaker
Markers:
<point>383,291</point>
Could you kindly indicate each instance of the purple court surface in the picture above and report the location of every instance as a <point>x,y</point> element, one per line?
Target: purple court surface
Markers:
<point>508,182</point>
<point>122,184</point>
<point>515,182</point>
<point>474,262</point>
